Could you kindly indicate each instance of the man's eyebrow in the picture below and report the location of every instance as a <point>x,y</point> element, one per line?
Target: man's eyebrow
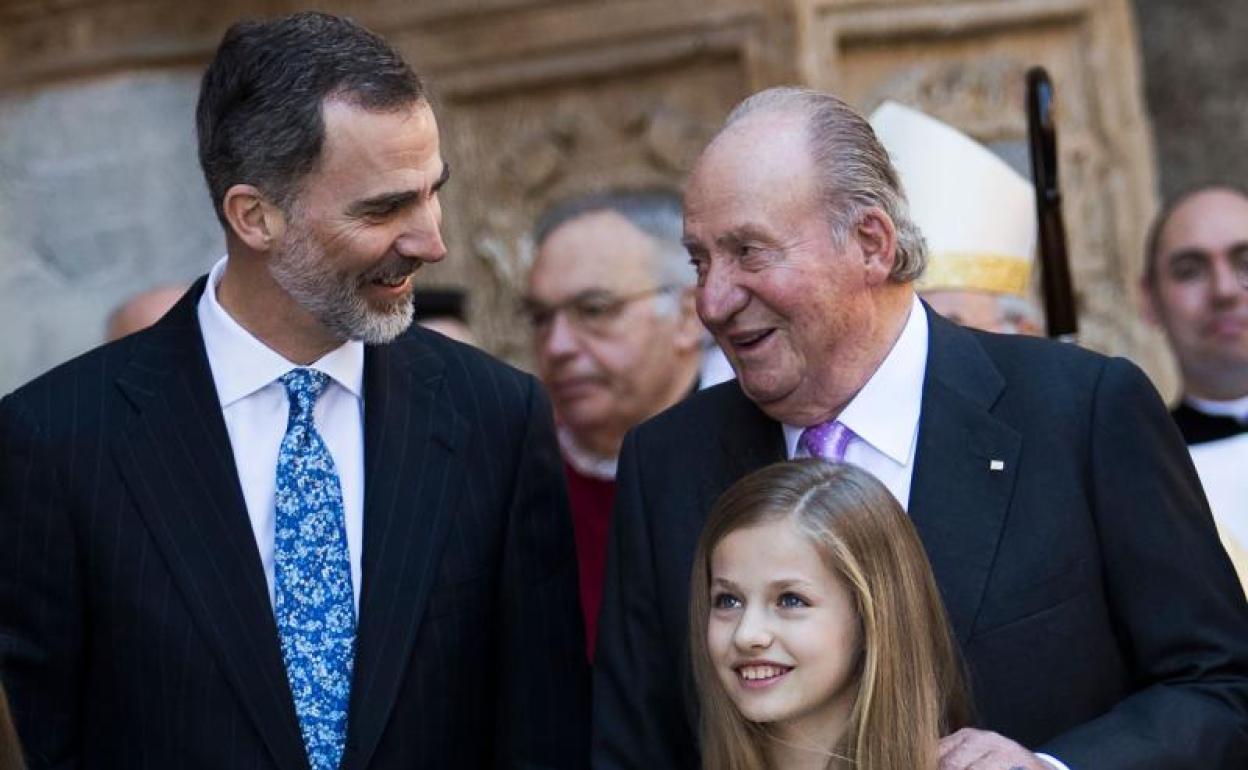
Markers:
<point>584,295</point>
<point>394,201</point>
<point>733,236</point>
<point>746,232</point>
<point>1186,254</point>
<point>443,177</point>
<point>385,202</point>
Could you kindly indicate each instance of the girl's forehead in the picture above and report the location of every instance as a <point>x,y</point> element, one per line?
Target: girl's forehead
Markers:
<point>769,546</point>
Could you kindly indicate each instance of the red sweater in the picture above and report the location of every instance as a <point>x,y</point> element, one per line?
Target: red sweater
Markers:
<point>591,501</point>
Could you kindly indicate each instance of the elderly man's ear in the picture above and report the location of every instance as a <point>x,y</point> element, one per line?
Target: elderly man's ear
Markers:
<point>877,237</point>
<point>255,220</point>
<point>690,331</point>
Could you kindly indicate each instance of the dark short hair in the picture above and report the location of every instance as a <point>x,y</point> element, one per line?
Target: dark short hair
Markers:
<point>259,113</point>
<point>444,302</point>
<point>1153,241</point>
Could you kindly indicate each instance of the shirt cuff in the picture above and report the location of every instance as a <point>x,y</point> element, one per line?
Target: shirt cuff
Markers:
<point>1056,764</point>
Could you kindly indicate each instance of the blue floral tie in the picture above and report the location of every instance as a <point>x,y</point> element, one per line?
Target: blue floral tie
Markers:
<point>314,603</point>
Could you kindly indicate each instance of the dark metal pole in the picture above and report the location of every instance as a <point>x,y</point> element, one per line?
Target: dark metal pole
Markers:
<point>1055,283</point>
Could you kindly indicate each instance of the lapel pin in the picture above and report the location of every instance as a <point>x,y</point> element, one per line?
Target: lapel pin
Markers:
<point>996,465</point>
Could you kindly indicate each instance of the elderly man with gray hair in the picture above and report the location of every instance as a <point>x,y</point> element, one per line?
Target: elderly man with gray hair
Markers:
<point>616,341</point>
<point>1099,617</point>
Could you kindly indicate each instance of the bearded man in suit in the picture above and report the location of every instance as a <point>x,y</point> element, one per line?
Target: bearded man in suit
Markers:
<point>1098,615</point>
<point>283,528</point>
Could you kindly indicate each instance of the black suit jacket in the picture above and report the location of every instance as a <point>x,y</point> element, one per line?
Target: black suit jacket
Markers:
<point>1098,614</point>
<point>135,623</point>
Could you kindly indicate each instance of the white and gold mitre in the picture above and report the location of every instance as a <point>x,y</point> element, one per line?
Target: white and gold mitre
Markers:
<point>976,213</point>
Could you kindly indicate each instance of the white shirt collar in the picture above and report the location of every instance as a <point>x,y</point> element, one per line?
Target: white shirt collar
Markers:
<point>242,364</point>
<point>585,462</point>
<point>1237,408</point>
<point>885,412</point>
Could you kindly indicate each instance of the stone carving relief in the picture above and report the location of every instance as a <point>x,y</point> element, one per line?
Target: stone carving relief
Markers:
<point>542,99</point>
<point>985,95</point>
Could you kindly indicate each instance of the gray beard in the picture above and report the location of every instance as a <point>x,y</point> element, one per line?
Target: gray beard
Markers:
<point>334,299</point>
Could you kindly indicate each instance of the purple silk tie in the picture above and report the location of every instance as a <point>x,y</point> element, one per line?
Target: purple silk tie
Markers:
<point>827,440</point>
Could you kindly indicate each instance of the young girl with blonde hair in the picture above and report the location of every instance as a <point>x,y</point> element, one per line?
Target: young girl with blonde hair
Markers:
<point>819,639</point>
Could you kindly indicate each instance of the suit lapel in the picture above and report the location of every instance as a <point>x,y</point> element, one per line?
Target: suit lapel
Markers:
<point>175,457</point>
<point>964,469</point>
<point>748,440</point>
<point>413,476</point>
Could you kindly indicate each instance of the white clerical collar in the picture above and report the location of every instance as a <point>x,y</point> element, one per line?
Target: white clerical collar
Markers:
<point>242,364</point>
<point>1236,408</point>
<point>885,412</point>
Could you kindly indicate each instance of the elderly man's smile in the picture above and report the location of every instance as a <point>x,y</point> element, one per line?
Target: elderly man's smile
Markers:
<point>751,341</point>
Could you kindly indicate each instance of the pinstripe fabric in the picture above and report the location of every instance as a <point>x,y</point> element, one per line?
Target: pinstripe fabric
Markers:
<point>135,626</point>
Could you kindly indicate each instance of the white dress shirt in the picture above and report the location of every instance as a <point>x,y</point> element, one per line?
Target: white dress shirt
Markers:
<point>884,417</point>
<point>1220,465</point>
<point>884,414</point>
<point>255,406</point>
<point>1236,408</point>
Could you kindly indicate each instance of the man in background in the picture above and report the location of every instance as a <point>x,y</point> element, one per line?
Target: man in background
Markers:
<point>1195,287</point>
<point>141,311</point>
<point>284,528</point>
<point>445,312</point>
<point>616,340</point>
<point>977,215</point>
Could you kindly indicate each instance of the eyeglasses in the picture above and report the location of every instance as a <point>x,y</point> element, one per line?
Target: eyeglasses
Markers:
<point>591,311</point>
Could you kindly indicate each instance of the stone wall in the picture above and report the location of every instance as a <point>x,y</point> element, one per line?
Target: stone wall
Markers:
<point>1196,62</point>
<point>537,99</point>
<point>100,196</point>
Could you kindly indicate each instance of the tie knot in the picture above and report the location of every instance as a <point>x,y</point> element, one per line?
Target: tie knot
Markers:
<point>827,440</point>
<point>303,387</point>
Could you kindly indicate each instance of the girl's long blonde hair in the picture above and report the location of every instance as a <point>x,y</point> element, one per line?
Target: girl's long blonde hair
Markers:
<point>910,689</point>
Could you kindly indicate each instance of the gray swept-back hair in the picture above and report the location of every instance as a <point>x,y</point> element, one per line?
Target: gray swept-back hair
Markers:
<point>656,212</point>
<point>854,171</point>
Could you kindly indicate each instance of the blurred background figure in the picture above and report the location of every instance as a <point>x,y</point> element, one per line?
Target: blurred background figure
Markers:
<point>1195,287</point>
<point>141,311</point>
<point>616,340</point>
<point>977,215</point>
<point>445,311</point>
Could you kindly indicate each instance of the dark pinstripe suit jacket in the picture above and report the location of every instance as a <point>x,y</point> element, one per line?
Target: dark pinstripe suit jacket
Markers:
<point>135,624</point>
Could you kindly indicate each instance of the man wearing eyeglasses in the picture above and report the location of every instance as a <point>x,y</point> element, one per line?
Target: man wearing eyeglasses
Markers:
<point>1195,287</point>
<point>616,341</point>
